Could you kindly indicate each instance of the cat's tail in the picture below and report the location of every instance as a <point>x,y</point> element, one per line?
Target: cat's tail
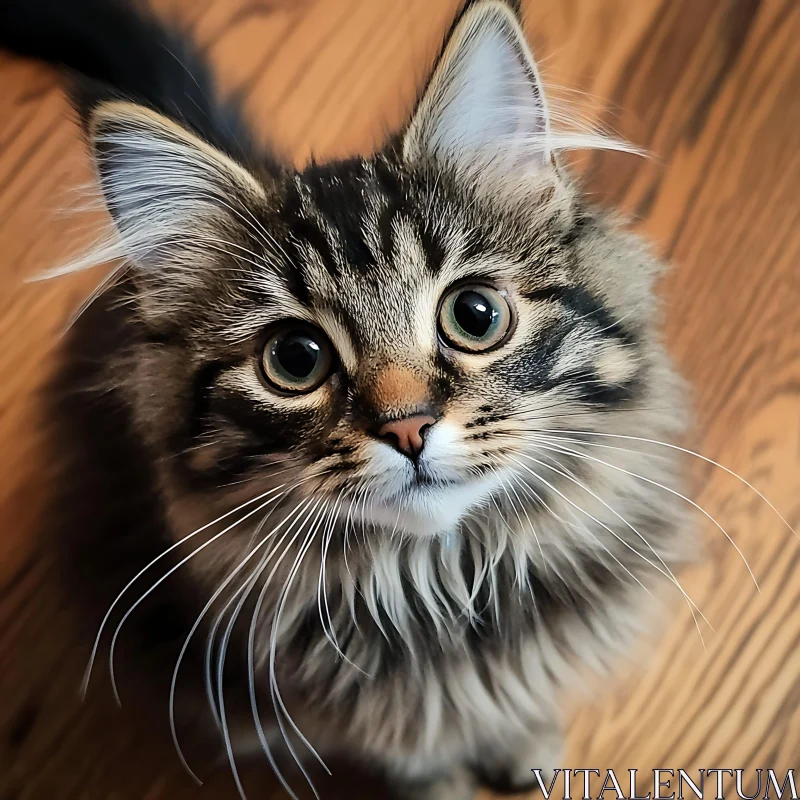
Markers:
<point>118,49</point>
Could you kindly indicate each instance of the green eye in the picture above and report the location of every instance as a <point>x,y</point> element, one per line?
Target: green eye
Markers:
<point>474,318</point>
<point>297,358</point>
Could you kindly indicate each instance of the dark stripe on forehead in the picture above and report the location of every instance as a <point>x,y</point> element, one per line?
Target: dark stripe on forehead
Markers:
<point>290,269</point>
<point>303,230</point>
<point>338,192</point>
<point>433,246</point>
<point>473,246</point>
<point>278,255</point>
<point>298,286</point>
<point>392,199</point>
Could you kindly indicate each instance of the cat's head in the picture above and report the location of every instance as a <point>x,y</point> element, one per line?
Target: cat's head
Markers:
<point>390,334</point>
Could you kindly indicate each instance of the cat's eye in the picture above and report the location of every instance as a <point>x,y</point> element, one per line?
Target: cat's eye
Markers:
<point>474,317</point>
<point>297,358</point>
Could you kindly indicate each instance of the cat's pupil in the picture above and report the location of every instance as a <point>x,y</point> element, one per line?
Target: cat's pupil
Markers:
<point>297,354</point>
<point>474,313</point>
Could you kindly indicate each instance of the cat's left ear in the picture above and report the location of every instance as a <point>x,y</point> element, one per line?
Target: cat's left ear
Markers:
<point>484,107</point>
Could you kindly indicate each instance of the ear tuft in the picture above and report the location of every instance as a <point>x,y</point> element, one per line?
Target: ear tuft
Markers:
<point>485,98</point>
<point>178,204</point>
<point>158,178</point>
<point>484,110</point>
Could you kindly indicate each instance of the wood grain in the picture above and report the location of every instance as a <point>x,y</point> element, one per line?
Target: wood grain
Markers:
<point>712,89</point>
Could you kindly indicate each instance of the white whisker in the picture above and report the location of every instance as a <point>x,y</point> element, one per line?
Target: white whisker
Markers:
<point>223,653</point>
<point>88,674</point>
<point>201,616</point>
<point>671,491</point>
<point>162,579</point>
<point>666,571</point>
<point>277,700</point>
<point>322,595</point>
<point>251,652</point>
<point>696,455</point>
<point>583,528</point>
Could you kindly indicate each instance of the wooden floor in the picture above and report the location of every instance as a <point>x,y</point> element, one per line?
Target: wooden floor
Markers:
<point>712,89</point>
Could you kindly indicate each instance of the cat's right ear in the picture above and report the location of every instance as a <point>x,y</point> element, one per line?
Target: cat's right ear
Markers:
<point>158,179</point>
<point>170,193</point>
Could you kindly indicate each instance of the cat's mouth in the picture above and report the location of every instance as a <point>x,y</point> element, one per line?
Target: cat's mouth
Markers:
<point>422,479</point>
<point>426,503</point>
<point>420,485</point>
<point>426,477</point>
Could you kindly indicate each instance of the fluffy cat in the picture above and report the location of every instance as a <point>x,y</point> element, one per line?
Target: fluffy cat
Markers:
<point>381,411</point>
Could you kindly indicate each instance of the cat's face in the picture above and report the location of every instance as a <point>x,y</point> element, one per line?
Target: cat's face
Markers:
<point>391,334</point>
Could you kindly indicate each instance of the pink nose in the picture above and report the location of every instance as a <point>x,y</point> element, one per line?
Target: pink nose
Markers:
<point>407,435</point>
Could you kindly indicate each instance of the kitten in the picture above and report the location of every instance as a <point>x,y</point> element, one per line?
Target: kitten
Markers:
<point>378,408</point>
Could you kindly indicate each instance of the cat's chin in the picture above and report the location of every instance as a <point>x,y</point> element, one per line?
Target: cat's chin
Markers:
<point>427,508</point>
